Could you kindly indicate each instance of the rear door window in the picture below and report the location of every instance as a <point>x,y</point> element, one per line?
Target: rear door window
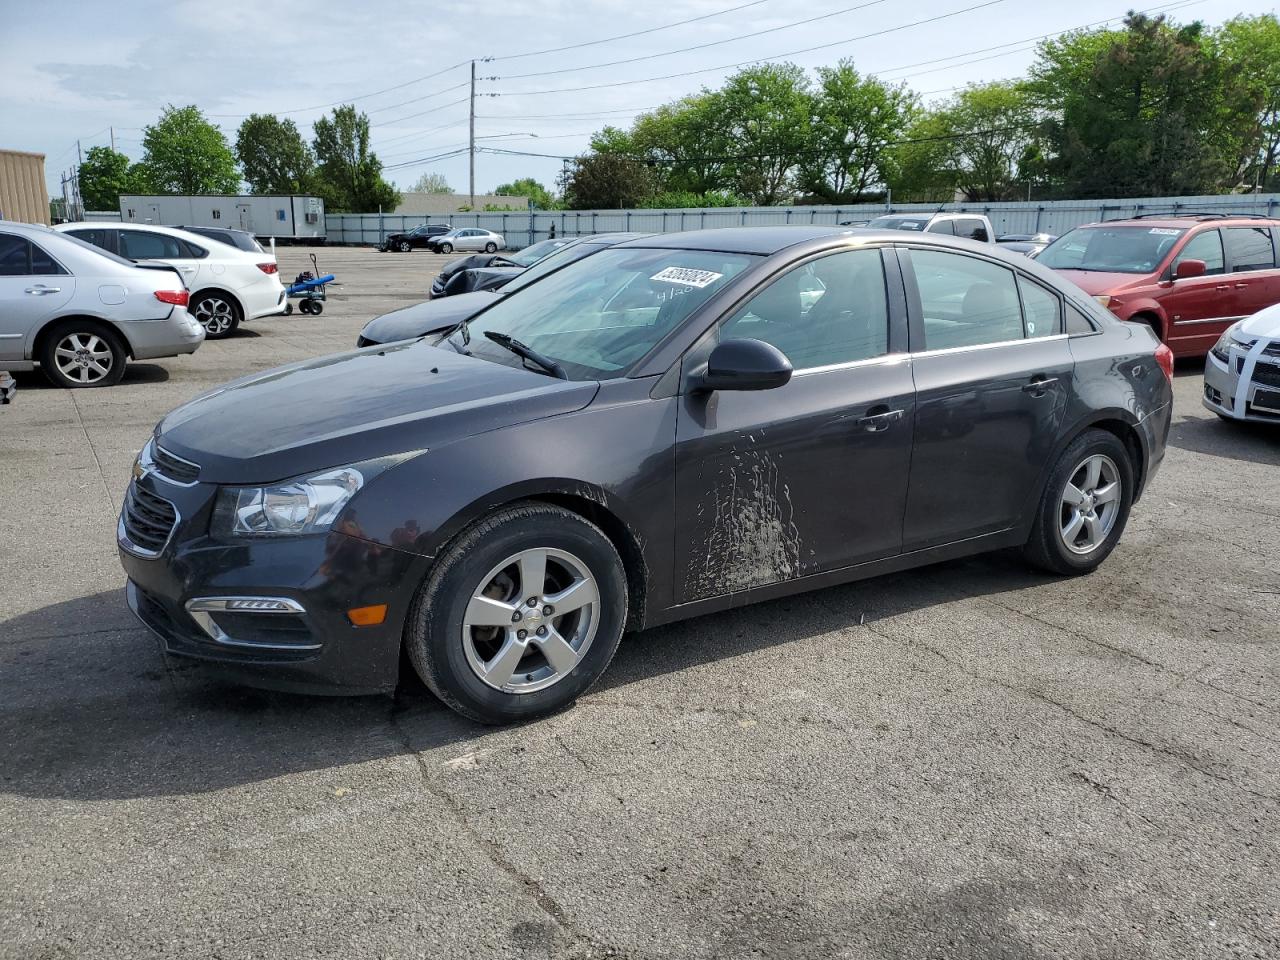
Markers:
<point>1249,248</point>
<point>965,302</point>
<point>15,256</point>
<point>142,245</point>
<point>99,237</point>
<point>1205,246</point>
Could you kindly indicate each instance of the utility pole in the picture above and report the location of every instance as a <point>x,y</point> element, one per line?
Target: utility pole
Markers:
<point>113,139</point>
<point>473,136</point>
<point>79,200</point>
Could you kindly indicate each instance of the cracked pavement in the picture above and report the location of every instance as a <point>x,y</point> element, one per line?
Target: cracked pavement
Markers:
<point>971,760</point>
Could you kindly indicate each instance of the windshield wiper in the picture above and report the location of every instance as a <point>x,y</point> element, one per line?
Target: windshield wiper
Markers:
<point>525,352</point>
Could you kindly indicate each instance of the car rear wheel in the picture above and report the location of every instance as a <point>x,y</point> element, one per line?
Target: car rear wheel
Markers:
<point>404,246</point>
<point>82,354</point>
<point>446,248</point>
<point>491,247</point>
<point>217,313</point>
<point>1085,506</point>
<point>521,615</point>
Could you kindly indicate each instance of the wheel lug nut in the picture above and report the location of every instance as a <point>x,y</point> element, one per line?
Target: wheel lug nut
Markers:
<point>517,617</point>
<point>542,631</point>
<point>533,601</point>
<point>548,610</point>
<point>521,634</point>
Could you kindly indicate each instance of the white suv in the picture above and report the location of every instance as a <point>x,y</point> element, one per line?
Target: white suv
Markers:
<point>227,285</point>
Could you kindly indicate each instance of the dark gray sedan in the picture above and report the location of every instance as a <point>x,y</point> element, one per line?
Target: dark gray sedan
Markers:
<point>674,426</point>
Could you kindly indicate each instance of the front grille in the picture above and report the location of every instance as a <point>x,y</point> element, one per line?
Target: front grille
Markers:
<point>173,466</point>
<point>148,520</point>
<point>1266,374</point>
<point>1272,349</point>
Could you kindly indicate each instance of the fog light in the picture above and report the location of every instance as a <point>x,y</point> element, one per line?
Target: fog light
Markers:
<point>261,606</point>
<point>367,616</point>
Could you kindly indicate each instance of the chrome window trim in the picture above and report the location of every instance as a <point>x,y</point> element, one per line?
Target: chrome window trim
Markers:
<point>999,343</point>
<point>848,364</point>
<point>1188,323</point>
<point>201,608</point>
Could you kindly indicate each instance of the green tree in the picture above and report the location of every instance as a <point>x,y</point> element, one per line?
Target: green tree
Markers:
<point>273,155</point>
<point>686,143</point>
<point>765,115</point>
<point>431,183</point>
<point>856,120</point>
<point>1248,49</point>
<point>992,130</point>
<point>186,154</point>
<point>349,177</point>
<point>607,181</point>
<point>542,198</point>
<point>104,175</point>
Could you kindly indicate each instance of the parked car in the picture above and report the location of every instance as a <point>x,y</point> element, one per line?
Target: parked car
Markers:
<point>1242,371</point>
<point>228,286</point>
<point>415,239</point>
<point>467,238</point>
<point>8,387</point>
<point>1027,244</point>
<point>1187,277</point>
<point>972,226</point>
<point>240,239</point>
<point>655,432</point>
<point>442,314</point>
<point>489,271</point>
<point>82,313</point>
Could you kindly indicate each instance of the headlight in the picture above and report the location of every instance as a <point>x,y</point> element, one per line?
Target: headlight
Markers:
<point>295,507</point>
<point>1105,301</point>
<point>1222,349</point>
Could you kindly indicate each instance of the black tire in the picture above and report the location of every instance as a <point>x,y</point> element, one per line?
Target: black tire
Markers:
<point>434,632</point>
<point>304,306</point>
<point>490,248</point>
<point>317,308</point>
<point>1046,547</point>
<point>288,309</point>
<point>87,337</point>
<point>218,313</point>
<point>445,248</point>
<point>404,246</point>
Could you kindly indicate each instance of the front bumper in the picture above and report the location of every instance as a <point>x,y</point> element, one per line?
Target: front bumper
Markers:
<point>1245,388</point>
<point>293,633</point>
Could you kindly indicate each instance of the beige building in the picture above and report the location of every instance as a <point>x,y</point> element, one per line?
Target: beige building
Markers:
<point>23,196</point>
<point>442,204</point>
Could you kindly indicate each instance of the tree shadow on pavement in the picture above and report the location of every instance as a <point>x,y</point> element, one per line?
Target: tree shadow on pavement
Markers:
<point>91,709</point>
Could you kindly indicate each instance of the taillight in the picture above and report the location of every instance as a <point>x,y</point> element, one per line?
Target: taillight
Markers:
<point>1164,357</point>
<point>268,267</point>
<point>178,298</point>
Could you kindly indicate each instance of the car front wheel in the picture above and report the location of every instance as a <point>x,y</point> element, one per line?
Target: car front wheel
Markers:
<point>490,247</point>
<point>521,615</point>
<point>82,354</point>
<point>1085,506</point>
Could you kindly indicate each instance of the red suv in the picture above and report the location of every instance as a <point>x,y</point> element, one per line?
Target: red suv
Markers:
<point>1188,277</point>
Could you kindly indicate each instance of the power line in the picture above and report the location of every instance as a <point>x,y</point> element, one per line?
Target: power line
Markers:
<point>346,100</point>
<point>443,106</point>
<point>624,36</point>
<point>743,63</point>
<point>698,46</point>
<point>405,103</point>
<point>558,116</point>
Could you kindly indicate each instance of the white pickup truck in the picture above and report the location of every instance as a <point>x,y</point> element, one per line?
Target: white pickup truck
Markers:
<point>971,226</point>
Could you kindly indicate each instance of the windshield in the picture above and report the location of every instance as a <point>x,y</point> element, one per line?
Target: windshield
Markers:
<point>565,255</point>
<point>1130,249</point>
<point>899,223</point>
<point>600,315</point>
<point>535,252</point>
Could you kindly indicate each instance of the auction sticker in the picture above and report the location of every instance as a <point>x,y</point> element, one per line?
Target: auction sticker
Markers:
<point>1165,232</point>
<point>687,276</point>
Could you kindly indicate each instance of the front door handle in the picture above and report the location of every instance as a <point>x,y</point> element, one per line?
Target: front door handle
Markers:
<point>1039,386</point>
<point>40,290</point>
<point>880,420</point>
<point>1223,286</point>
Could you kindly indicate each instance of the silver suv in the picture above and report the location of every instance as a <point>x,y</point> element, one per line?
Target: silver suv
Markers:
<point>81,313</point>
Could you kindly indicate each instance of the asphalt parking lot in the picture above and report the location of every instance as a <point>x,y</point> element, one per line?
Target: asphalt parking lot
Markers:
<point>968,761</point>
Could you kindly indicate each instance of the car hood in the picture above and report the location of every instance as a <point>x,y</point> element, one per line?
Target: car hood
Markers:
<point>420,319</point>
<point>467,263</point>
<point>357,406</point>
<point>1264,323</point>
<point>1096,283</point>
<point>489,278</point>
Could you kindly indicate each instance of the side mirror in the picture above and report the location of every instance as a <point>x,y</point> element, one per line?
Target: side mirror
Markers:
<point>743,365</point>
<point>1189,268</point>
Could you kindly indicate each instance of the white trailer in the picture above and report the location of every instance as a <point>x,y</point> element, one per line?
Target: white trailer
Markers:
<point>289,217</point>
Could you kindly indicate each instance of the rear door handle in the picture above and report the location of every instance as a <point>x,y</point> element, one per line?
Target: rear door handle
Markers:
<point>40,290</point>
<point>1241,286</point>
<point>1039,386</point>
<point>876,422</point>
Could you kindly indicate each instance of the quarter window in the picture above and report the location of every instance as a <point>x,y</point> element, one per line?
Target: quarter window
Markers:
<point>1250,249</point>
<point>1077,322</point>
<point>828,311</point>
<point>1042,309</point>
<point>966,302</point>
<point>41,263</point>
<point>1205,246</point>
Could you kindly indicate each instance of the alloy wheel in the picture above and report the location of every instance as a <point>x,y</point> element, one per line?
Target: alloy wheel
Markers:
<point>215,315</point>
<point>531,620</point>
<point>83,357</point>
<point>1090,504</point>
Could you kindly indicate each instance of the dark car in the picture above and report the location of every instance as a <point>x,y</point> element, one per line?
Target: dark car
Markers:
<point>671,427</point>
<point>489,271</point>
<point>443,313</point>
<point>240,239</point>
<point>419,238</point>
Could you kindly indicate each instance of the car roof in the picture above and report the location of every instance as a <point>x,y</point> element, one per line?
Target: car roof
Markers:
<point>757,240</point>
<point>22,227</point>
<point>1188,221</point>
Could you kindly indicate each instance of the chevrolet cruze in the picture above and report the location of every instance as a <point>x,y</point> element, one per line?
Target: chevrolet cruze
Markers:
<point>674,426</point>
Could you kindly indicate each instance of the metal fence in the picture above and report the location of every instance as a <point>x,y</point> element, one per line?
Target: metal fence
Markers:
<point>522,228</point>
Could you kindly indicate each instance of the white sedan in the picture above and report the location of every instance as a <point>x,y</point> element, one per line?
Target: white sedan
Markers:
<point>228,285</point>
<point>468,238</point>
<point>1242,371</point>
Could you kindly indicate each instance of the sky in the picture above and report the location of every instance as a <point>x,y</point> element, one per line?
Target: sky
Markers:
<point>74,69</point>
